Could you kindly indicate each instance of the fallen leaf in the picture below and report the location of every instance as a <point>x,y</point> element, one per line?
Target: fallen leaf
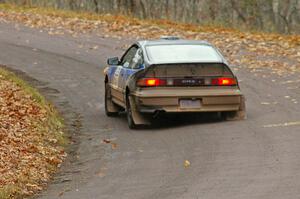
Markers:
<point>114,146</point>
<point>106,141</point>
<point>187,164</point>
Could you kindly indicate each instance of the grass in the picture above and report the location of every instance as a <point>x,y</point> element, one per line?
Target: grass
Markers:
<point>53,124</point>
<point>55,121</point>
<point>8,191</point>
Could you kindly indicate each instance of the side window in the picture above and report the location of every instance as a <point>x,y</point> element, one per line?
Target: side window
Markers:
<point>127,58</point>
<point>137,59</point>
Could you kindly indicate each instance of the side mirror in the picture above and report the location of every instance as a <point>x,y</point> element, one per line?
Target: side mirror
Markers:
<point>113,61</point>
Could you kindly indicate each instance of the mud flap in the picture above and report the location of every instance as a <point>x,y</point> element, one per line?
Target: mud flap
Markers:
<point>137,117</point>
<point>240,114</point>
<point>111,107</point>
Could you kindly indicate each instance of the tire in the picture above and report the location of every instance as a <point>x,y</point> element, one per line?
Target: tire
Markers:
<point>227,115</point>
<point>108,102</point>
<point>130,120</point>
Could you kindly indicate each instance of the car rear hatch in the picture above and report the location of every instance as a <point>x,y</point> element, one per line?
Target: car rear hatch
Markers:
<point>211,86</point>
<point>188,75</point>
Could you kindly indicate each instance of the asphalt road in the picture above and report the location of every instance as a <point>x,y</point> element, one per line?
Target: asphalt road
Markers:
<point>230,160</point>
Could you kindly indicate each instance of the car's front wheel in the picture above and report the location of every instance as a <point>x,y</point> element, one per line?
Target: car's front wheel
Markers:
<point>111,110</point>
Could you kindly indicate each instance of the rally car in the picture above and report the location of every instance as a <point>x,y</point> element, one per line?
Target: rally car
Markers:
<point>171,75</point>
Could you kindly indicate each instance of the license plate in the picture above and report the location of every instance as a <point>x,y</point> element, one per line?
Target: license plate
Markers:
<point>188,82</point>
<point>190,104</point>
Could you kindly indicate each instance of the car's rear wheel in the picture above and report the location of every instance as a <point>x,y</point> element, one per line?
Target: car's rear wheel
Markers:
<point>111,110</point>
<point>228,115</point>
<point>131,123</point>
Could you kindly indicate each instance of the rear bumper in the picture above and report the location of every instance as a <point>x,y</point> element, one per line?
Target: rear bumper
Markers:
<point>168,99</point>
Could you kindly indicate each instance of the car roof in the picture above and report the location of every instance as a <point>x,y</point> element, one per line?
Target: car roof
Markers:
<point>172,41</point>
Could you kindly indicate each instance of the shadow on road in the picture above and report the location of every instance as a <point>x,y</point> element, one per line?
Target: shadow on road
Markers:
<point>174,120</point>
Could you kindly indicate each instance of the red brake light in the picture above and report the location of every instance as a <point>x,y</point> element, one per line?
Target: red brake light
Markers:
<point>151,82</point>
<point>224,81</point>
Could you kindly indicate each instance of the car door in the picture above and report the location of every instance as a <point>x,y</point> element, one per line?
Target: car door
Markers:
<point>128,66</point>
<point>136,64</point>
<point>115,78</point>
<point>118,75</point>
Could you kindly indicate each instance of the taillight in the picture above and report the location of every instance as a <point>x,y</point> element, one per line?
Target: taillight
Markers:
<point>155,82</point>
<point>224,81</point>
<point>151,82</point>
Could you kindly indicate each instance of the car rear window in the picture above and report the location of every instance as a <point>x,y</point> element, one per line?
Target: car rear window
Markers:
<point>182,53</point>
<point>189,70</point>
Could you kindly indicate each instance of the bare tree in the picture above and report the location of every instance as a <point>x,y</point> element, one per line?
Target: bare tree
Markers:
<point>268,15</point>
